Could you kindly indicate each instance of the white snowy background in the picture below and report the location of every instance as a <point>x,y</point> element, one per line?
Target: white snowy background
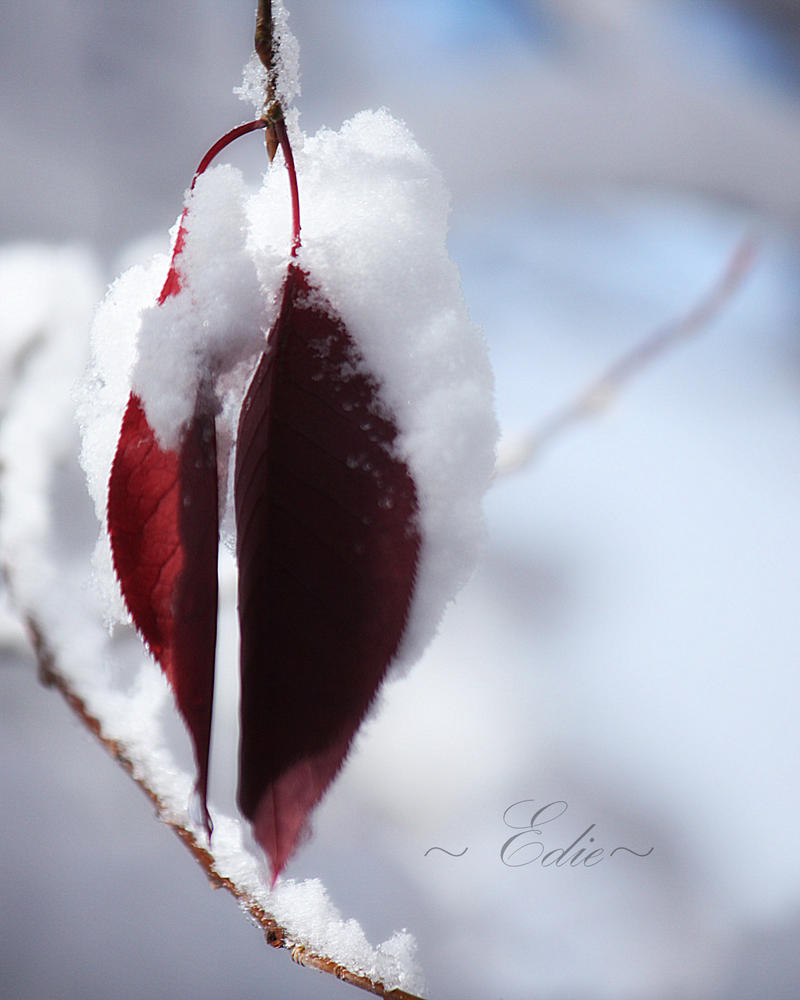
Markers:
<point>630,643</point>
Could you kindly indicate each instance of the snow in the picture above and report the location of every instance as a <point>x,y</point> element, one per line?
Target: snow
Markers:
<point>286,65</point>
<point>374,215</point>
<point>306,911</point>
<point>639,586</point>
<point>119,684</point>
<point>286,53</point>
<point>374,218</point>
<point>218,318</point>
<point>287,57</point>
<point>629,643</point>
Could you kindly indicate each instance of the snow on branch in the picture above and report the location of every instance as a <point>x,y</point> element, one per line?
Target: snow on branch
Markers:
<point>117,692</point>
<point>275,934</point>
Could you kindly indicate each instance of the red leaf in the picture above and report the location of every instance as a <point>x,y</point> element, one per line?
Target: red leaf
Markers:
<point>163,523</point>
<point>327,544</point>
<point>172,284</point>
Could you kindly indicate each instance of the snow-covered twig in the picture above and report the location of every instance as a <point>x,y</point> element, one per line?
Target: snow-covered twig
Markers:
<point>517,454</point>
<point>275,934</point>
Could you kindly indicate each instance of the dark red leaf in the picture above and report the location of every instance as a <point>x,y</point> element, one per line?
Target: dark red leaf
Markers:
<point>163,523</point>
<point>327,544</point>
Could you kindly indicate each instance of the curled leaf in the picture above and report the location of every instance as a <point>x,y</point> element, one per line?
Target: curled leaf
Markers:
<point>327,546</point>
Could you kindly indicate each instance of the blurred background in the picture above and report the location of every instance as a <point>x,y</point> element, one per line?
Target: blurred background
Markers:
<point>630,642</point>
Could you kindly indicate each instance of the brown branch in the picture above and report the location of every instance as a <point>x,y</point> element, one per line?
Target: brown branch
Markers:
<point>265,50</point>
<point>275,934</point>
<point>264,35</point>
<point>599,392</point>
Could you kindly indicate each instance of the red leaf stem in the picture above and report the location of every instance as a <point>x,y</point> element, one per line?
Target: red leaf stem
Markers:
<point>283,140</point>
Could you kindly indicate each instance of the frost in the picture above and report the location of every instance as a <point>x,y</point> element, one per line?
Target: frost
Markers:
<point>254,84</point>
<point>287,58</point>
<point>287,66</point>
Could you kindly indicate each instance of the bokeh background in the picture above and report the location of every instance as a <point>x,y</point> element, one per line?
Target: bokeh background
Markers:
<point>630,643</point>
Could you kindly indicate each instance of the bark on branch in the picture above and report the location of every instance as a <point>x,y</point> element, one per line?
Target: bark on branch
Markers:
<point>274,933</point>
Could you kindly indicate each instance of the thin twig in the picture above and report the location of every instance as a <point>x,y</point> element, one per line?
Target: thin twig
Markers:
<point>264,35</point>
<point>265,50</point>
<point>598,393</point>
<point>275,934</point>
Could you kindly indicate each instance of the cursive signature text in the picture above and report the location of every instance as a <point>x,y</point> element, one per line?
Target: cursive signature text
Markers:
<point>559,850</point>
